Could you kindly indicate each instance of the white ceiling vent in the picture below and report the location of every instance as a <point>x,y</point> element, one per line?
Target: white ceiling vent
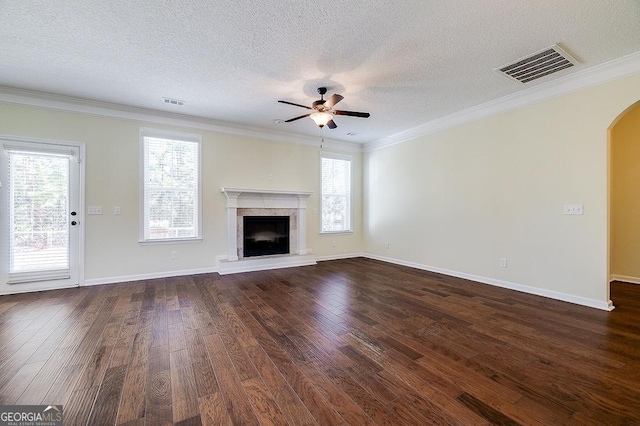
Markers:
<point>540,64</point>
<point>173,101</point>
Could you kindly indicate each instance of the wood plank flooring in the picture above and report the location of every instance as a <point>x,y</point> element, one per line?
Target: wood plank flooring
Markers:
<point>348,342</point>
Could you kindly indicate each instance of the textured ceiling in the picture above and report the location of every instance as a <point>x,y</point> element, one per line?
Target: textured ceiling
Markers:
<point>405,62</point>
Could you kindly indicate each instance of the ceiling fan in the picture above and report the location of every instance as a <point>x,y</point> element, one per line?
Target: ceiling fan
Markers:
<point>323,112</point>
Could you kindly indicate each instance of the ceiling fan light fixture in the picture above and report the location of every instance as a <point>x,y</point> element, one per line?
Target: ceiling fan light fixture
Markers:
<point>321,118</point>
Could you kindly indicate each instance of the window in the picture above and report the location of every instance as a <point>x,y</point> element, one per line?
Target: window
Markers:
<point>171,186</point>
<point>336,193</point>
<point>38,211</point>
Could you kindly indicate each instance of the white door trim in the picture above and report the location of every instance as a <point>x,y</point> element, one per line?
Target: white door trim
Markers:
<point>81,147</point>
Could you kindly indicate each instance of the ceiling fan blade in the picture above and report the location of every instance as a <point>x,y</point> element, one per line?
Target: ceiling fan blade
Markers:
<point>331,124</point>
<point>352,113</point>
<point>334,99</point>
<point>297,118</point>
<point>291,103</point>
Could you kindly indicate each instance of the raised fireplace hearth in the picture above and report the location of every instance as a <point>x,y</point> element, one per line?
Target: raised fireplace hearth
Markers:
<point>270,249</point>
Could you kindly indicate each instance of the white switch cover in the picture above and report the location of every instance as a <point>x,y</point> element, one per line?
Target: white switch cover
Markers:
<point>503,262</point>
<point>573,209</point>
<point>116,210</point>
<point>94,210</point>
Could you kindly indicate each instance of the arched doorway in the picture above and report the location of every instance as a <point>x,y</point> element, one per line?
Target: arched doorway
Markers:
<point>624,197</point>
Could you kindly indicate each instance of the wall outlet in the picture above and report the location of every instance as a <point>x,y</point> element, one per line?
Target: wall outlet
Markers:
<point>503,262</point>
<point>174,254</point>
<point>386,245</point>
<point>116,210</point>
<point>573,209</point>
<point>94,210</point>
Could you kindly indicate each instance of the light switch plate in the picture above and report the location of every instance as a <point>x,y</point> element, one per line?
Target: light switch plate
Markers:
<point>94,210</point>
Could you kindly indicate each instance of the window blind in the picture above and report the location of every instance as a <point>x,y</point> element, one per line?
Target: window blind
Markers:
<point>336,194</point>
<point>171,192</point>
<point>38,211</point>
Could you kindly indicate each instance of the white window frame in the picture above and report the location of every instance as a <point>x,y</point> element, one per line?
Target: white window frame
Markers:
<point>187,137</point>
<point>349,158</point>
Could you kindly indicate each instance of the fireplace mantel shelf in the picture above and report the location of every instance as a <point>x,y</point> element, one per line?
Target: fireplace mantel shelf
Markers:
<point>239,191</point>
<point>265,198</point>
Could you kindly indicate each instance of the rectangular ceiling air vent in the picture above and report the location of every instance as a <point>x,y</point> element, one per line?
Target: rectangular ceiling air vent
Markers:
<point>540,64</point>
<point>173,101</point>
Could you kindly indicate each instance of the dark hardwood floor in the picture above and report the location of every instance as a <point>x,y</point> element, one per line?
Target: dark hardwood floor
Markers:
<point>345,342</point>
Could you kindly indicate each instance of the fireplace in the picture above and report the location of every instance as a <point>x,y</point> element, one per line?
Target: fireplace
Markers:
<point>265,235</point>
<point>287,206</point>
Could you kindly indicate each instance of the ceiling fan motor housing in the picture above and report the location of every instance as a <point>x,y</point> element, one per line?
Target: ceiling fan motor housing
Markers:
<point>319,104</point>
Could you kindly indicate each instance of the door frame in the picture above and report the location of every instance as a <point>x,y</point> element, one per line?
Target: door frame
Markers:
<point>610,142</point>
<point>81,146</point>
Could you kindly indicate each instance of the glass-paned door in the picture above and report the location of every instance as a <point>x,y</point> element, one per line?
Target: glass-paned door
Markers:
<point>40,220</point>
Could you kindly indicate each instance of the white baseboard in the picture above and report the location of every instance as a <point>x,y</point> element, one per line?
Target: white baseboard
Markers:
<point>150,276</point>
<point>605,306</point>
<point>624,278</point>
<point>339,256</point>
<point>244,268</point>
<point>292,261</point>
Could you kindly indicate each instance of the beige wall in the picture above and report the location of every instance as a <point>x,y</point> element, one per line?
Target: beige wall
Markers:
<point>112,179</point>
<point>625,196</point>
<point>461,199</point>
<point>454,201</point>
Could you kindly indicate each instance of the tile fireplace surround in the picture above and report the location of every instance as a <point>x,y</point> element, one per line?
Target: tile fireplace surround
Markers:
<point>264,202</point>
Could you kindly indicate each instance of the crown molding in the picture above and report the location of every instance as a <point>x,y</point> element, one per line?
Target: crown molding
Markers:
<point>11,95</point>
<point>594,76</point>
<point>590,77</point>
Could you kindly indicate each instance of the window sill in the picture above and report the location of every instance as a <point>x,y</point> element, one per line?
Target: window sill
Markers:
<point>335,232</point>
<point>170,241</point>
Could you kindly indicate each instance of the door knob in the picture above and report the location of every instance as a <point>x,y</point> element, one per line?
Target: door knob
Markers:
<point>73,222</point>
<point>73,213</point>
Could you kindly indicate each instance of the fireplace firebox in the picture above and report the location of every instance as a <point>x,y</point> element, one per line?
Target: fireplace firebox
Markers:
<point>265,235</point>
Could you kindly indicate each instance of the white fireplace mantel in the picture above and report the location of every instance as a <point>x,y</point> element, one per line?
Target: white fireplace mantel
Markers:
<point>265,198</point>
<point>241,198</point>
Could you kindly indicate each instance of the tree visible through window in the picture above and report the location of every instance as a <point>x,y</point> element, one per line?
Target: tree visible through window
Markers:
<point>171,188</point>
<point>38,210</point>
<point>336,194</point>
